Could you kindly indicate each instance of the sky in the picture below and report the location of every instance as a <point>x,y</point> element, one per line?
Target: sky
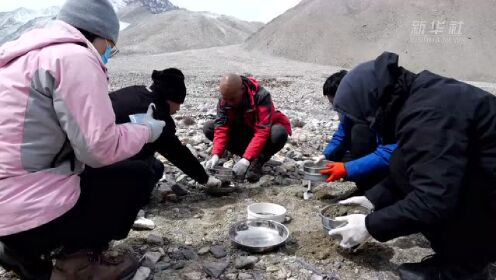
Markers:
<point>251,10</point>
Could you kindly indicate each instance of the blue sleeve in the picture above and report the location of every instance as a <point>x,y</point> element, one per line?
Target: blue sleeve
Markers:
<point>337,140</point>
<point>374,162</point>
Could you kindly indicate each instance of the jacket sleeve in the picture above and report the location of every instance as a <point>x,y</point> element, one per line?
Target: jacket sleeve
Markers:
<point>434,147</point>
<point>85,112</point>
<point>221,130</point>
<point>383,194</point>
<point>337,142</point>
<point>263,126</point>
<point>179,155</point>
<point>375,162</point>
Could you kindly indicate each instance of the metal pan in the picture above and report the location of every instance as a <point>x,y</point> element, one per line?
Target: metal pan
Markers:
<point>258,235</point>
<point>330,223</point>
<point>312,171</point>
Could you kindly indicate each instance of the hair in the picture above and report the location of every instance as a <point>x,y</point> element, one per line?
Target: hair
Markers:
<point>332,83</point>
<point>89,36</point>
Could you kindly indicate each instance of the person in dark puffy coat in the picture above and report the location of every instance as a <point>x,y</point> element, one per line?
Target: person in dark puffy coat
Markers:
<point>442,180</point>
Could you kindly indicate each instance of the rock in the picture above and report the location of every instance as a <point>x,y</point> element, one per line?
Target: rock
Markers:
<point>155,239</point>
<point>272,268</point>
<point>215,269</point>
<point>245,276</point>
<point>179,265</point>
<point>245,262</point>
<point>297,123</point>
<point>189,254</point>
<point>150,259</point>
<point>162,265</point>
<point>287,219</point>
<point>171,197</point>
<point>181,178</point>
<point>231,276</point>
<point>203,250</point>
<point>188,121</point>
<point>316,277</point>
<point>143,224</point>
<point>192,275</point>
<point>142,273</point>
<point>218,251</point>
<point>141,214</point>
<point>179,190</point>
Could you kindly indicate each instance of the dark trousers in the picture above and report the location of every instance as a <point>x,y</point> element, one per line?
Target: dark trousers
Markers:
<point>240,137</point>
<point>362,142</point>
<point>106,209</point>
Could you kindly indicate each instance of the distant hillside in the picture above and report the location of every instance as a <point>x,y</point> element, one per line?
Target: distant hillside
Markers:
<point>178,30</point>
<point>451,37</point>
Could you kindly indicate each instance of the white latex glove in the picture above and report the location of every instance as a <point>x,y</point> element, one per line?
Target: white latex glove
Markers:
<point>358,200</point>
<point>212,162</point>
<point>213,182</point>
<point>319,159</point>
<point>353,233</point>
<point>156,126</point>
<point>241,166</point>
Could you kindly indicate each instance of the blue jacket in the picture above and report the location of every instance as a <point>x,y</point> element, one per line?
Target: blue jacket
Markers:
<point>375,162</point>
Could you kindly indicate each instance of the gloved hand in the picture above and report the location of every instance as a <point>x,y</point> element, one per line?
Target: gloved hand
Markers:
<point>156,126</point>
<point>241,166</point>
<point>213,182</point>
<point>318,159</point>
<point>335,170</point>
<point>212,162</point>
<point>358,200</point>
<point>353,233</point>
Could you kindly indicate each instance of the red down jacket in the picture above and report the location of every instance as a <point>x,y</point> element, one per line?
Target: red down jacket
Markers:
<point>258,113</point>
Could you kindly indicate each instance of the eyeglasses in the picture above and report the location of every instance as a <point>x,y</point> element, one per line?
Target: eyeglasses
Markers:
<point>114,51</point>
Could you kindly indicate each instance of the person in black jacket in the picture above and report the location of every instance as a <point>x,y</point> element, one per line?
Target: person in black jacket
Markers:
<point>442,180</point>
<point>167,92</point>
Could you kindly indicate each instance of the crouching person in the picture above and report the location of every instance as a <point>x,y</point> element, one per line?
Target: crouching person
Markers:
<point>56,119</point>
<point>247,125</point>
<point>167,93</point>
<point>442,179</point>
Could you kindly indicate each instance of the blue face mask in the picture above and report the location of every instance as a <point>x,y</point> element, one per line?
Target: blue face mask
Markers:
<point>106,55</point>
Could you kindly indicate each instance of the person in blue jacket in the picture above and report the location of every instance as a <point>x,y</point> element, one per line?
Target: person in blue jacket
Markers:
<point>357,152</point>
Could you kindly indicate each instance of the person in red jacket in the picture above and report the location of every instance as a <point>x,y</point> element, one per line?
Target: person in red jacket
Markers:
<point>248,125</point>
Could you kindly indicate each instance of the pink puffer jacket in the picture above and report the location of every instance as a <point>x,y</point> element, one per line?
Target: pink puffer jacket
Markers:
<point>55,117</point>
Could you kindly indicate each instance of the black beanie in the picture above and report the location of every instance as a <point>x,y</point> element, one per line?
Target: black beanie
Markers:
<point>169,84</point>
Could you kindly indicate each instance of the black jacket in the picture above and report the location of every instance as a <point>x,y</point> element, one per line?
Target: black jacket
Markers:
<point>446,134</point>
<point>136,99</point>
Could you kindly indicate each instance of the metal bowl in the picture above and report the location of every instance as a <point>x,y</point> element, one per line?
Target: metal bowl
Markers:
<point>258,235</point>
<point>330,223</point>
<point>222,173</point>
<point>312,171</point>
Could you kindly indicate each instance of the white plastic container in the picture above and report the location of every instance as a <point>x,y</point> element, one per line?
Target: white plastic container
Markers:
<point>266,211</point>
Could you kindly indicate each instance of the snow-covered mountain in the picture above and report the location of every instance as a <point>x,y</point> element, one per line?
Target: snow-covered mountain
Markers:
<point>15,22</point>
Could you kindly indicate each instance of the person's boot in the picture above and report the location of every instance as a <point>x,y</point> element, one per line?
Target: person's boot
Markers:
<point>255,171</point>
<point>27,267</point>
<point>94,266</point>
<point>434,268</point>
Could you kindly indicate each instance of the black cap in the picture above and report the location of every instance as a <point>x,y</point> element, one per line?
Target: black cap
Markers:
<point>169,83</point>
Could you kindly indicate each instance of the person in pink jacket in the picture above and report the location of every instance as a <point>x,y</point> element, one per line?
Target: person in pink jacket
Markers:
<point>57,118</point>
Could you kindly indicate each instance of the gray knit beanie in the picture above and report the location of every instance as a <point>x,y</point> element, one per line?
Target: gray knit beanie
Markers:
<point>95,16</point>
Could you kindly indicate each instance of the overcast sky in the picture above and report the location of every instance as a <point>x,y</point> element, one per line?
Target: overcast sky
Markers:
<point>254,10</point>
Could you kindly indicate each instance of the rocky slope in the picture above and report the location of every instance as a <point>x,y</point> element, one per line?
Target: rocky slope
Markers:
<point>179,30</point>
<point>451,37</point>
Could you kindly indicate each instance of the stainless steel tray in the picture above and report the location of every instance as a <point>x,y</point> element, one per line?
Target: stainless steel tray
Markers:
<point>258,235</point>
